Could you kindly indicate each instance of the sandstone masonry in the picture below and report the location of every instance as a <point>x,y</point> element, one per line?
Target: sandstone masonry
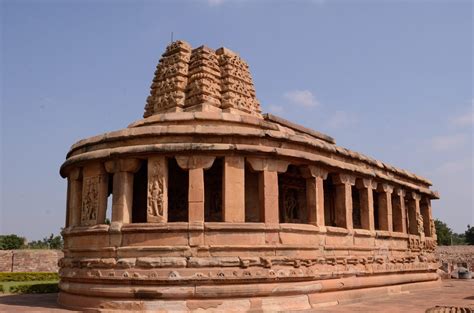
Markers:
<point>216,204</point>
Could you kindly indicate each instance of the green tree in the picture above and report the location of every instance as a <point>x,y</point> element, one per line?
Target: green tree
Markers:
<point>11,242</point>
<point>469,235</point>
<point>443,232</point>
<point>51,242</point>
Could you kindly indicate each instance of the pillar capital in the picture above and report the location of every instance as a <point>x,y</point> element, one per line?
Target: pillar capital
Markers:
<point>122,165</point>
<point>366,183</point>
<point>195,162</point>
<point>414,196</point>
<point>400,192</point>
<point>75,173</point>
<point>385,188</point>
<point>344,179</point>
<point>314,171</point>
<point>262,164</point>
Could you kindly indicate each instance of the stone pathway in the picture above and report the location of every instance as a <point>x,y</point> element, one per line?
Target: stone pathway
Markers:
<point>453,292</point>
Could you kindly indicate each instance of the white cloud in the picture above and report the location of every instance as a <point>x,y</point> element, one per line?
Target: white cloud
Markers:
<point>303,98</point>
<point>341,119</point>
<point>448,142</point>
<point>277,109</point>
<point>465,119</point>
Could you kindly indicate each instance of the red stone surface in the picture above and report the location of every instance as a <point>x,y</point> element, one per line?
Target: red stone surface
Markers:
<point>452,292</point>
<point>29,260</point>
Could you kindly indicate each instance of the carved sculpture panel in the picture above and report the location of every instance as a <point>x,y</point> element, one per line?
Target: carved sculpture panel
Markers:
<point>157,198</point>
<point>90,201</point>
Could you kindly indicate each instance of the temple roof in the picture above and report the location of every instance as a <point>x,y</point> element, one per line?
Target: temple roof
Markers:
<point>201,79</point>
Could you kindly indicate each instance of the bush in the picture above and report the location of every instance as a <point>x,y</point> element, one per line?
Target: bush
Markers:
<point>35,288</point>
<point>11,242</point>
<point>33,276</point>
<point>1,288</point>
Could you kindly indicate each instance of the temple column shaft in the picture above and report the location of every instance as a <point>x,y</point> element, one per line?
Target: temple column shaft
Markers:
<point>343,203</point>
<point>413,213</point>
<point>398,211</point>
<point>366,187</point>
<point>195,166</point>
<point>196,195</point>
<point>268,196</point>
<point>122,193</point>
<point>94,194</point>
<point>315,177</point>
<point>234,190</point>
<point>425,210</point>
<point>74,198</point>
<point>268,186</point>
<point>385,207</point>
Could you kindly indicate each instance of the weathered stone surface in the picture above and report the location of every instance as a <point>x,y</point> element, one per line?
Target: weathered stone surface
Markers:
<point>30,260</point>
<point>217,208</point>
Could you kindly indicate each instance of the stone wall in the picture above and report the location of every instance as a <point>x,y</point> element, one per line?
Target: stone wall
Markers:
<point>29,260</point>
<point>452,255</point>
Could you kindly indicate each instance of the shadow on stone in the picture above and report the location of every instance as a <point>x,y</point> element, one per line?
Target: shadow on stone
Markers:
<point>32,300</point>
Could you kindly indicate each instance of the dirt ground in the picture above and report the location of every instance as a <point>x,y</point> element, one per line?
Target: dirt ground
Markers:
<point>452,292</point>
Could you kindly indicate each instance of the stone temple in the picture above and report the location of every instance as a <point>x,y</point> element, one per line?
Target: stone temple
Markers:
<point>217,206</point>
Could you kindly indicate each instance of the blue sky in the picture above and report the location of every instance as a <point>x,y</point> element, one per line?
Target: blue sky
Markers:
<point>390,79</point>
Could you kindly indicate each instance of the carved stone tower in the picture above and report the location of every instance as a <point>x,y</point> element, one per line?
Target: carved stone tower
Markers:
<point>201,79</point>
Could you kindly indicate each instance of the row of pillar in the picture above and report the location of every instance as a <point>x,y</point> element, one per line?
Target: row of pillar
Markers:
<point>88,191</point>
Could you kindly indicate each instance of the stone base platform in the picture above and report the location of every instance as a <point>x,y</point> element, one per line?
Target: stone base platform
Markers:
<point>319,294</point>
<point>451,293</point>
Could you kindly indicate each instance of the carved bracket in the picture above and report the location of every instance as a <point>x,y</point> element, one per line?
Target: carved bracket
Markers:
<point>195,161</point>
<point>260,164</point>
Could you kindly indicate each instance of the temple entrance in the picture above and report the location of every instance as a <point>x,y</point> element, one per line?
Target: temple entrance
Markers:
<point>252,202</point>
<point>140,184</point>
<point>213,192</point>
<point>177,192</point>
<point>292,196</point>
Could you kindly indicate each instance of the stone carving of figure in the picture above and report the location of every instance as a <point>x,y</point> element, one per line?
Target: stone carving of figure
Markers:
<point>90,202</point>
<point>419,221</point>
<point>290,205</point>
<point>433,228</point>
<point>155,204</point>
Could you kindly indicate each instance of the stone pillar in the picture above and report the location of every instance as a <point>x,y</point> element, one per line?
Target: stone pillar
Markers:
<point>157,194</point>
<point>344,183</point>
<point>268,186</point>
<point>315,177</point>
<point>74,198</point>
<point>425,210</point>
<point>366,187</point>
<point>414,213</point>
<point>233,192</point>
<point>398,211</point>
<point>94,194</point>
<point>122,194</point>
<point>196,166</point>
<point>385,206</point>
